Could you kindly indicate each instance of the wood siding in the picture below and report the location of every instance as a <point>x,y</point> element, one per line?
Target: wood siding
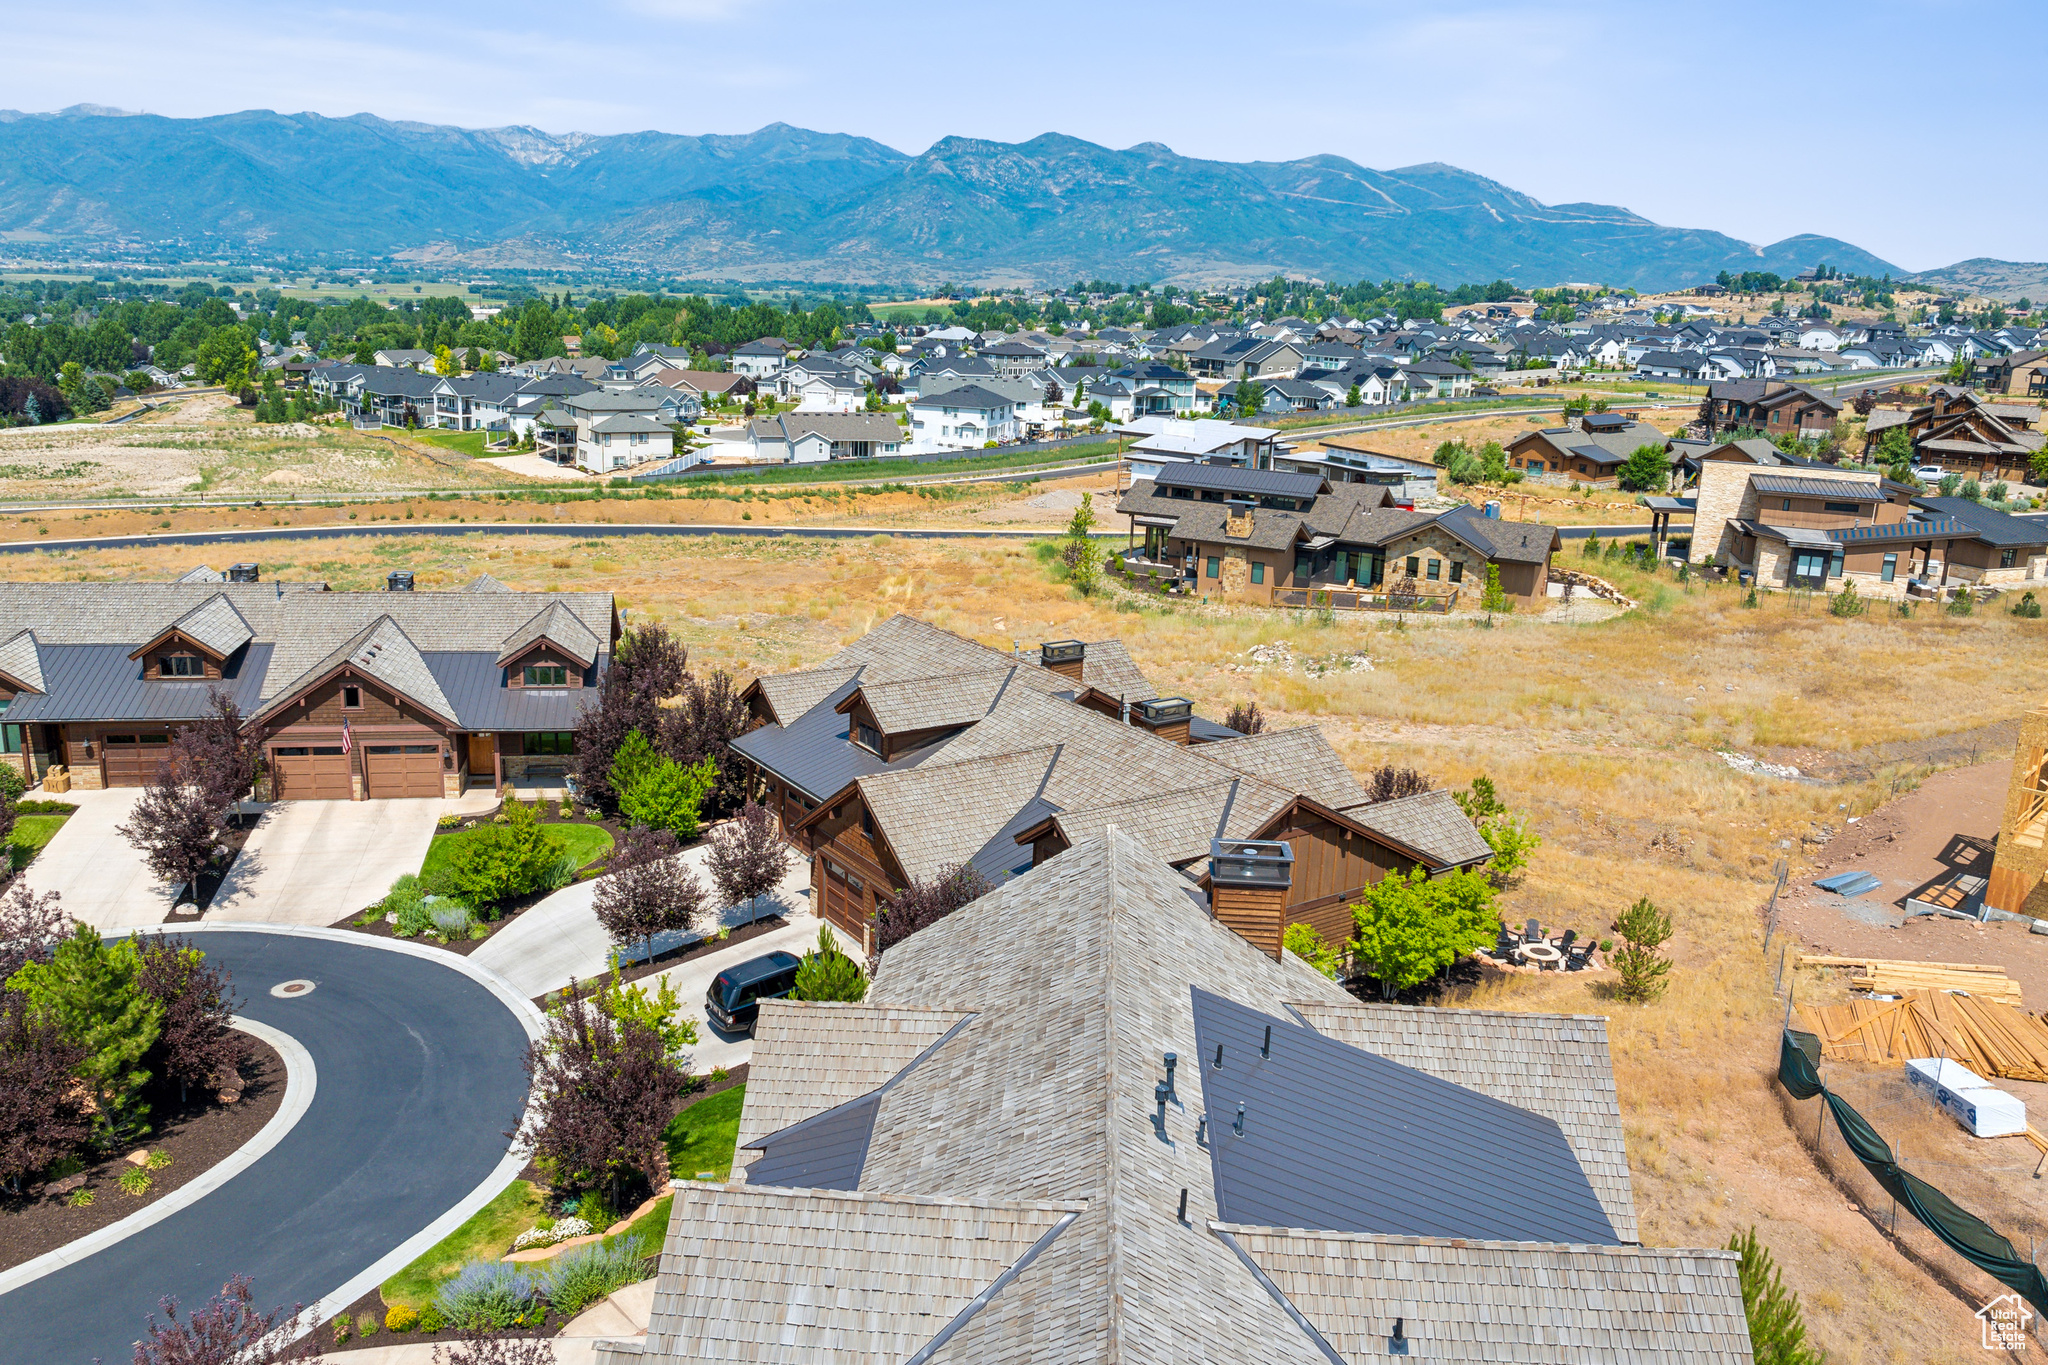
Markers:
<point>848,898</point>
<point>1255,914</point>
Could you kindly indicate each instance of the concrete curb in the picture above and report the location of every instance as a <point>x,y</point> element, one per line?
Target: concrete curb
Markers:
<point>503,1174</point>
<point>300,1081</point>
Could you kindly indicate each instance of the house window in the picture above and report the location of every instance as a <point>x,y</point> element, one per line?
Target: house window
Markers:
<point>1457,571</point>
<point>1259,571</point>
<point>1215,567</point>
<point>181,666</point>
<point>10,739</point>
<point>1835,564</point>
<point>1435,567</point>
<point>547,675</point>
<point>1890,570</point>
<point>351,698</point>
<point>2008,558</point>
<point>867,736</point>
<point>1848,508</point>
<point>1784,504</point>
<point>1414,565</point>
<point>547,742</point>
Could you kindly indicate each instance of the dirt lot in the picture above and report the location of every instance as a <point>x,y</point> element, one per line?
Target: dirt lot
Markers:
<point>1606,733</point>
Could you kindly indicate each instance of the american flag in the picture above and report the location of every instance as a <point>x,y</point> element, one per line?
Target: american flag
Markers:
<point>347,742</point>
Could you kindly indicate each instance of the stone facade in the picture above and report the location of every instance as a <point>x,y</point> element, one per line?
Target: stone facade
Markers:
<point>1725,495</point>
<point>1236,570</point>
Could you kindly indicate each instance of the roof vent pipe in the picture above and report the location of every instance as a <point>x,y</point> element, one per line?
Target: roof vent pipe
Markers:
<point>1397,1344</point>
<point>1172,1061</point>
<point>1159,1095</point>
<point>1183,1214</point>
<point>1238,1127</point>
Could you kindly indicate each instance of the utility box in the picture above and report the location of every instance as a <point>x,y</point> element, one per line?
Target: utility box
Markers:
<point>1968,1098</point>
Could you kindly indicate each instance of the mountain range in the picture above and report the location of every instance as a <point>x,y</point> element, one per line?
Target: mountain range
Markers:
<point>790,204</point>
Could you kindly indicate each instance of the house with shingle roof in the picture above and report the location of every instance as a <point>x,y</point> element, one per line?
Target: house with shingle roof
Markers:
<point>1086,1121</point>
<point>914,751</point>
<point>1256,533</point>
<point>1590,450</point>
<point>1966,435</point>
<point>349,695</point>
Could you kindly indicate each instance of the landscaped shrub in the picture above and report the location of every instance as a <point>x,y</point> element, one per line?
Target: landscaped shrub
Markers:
<point>404,900</point>
<point>450,919</point>
<point>486,1294</point>
<point>561,873</point>
<point>431,1319</point>
<point>135,1182</point>
<point>829,974</point>
<point>497,862</point>
<point>577,1279</point>
<point>560,1231</point>
<point>401,1319</point>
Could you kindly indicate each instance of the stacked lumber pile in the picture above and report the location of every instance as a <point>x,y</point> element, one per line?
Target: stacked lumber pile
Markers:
<point>1990,1038</point>
<point>1890,976</point>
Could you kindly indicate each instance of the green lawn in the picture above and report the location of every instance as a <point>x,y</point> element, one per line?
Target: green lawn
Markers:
<point>31,832</point>
<point>470,443</point>
<point>849,471</point>
<point>587,842</point>
<point>487,1236</point>
<point>702,1137</point>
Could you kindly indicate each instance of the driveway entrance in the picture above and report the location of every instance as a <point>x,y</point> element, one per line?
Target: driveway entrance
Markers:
<point>315,862</point>
<point>100,875</point>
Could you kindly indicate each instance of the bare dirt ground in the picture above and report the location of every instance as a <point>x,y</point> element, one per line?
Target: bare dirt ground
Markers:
<point>1605,733</point>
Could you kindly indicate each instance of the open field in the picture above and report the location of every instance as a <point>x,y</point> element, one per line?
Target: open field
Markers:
<point>1605,732</point>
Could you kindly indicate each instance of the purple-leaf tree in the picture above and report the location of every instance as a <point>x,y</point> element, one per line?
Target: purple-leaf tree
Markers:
<point>175,826</point>
<point>924,903</point>
<point>214,754</point>
<point>748,857</point>
<point>647,889</point>
<point>31,927</point>
<point>228,1330</point>
<point>647,668</point>
<point>197,1044</point>
<point>495,1348</point>
<point>42,1108</point>
<point>708,719</point>
<point>603,1091</point>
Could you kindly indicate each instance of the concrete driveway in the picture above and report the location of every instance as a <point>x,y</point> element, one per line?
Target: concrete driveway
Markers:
<point>100,875</point>
<point>693,978</point>
<point>561,938</point>
<point>314,862</point>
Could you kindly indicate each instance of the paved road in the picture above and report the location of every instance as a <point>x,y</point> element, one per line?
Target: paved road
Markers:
<point>418,1079</point>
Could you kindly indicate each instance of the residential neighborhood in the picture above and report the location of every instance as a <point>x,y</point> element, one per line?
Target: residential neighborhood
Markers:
<point>664,704</point>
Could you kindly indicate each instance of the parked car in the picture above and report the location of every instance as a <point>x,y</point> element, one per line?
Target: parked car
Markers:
<point>1930,474</point>
<point>734,1000</point>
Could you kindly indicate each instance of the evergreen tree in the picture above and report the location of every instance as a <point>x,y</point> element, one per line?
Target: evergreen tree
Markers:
<point>89,989</point>
<point>1777,1326</point>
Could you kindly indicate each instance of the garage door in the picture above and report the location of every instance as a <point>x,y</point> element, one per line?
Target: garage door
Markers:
<point>393,770</point>
<point>132,759</point>
<point>320,773</point>
<point>844,903</point>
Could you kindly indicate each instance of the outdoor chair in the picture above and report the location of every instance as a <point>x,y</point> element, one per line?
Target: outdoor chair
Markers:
<point>1577,958</point>
<point>1534,933</point>
<point>1504,945</point>
<point>1564,948</point>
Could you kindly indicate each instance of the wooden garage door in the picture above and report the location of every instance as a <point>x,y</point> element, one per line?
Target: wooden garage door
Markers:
<point>402,770</point>
<point>132,759</point>
<point>319,773</point>
<point>845,905</point>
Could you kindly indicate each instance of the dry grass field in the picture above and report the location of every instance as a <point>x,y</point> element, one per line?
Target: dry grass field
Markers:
<point>1604,732</point>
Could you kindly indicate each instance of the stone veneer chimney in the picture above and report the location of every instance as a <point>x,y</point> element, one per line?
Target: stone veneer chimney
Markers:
<point>1248,885</point>
<point>1238,524</point>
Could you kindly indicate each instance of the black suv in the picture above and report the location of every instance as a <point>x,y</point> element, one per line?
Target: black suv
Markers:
<point>735,997</point>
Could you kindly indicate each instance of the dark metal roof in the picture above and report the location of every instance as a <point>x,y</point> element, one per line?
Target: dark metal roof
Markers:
<point>100,682</point>
<point>1208,731</point>
<point>815,753</point>
<point>1598,454</point>
<point>1928,528</point>
<point>477,691</point>
<point>1834,490</point>
<point>1339,1139</point>
<point>1187,474</point>
<point>1002,855</point>
<point>1989,524</point>
<point>828,1151</point>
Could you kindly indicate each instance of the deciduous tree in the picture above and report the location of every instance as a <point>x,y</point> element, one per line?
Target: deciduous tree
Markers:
<point>228,1330</point>
<point>31,927</point>
<point>197,1044</point>
<point>925,903</point>
<point>647,889</point>
<point>647,669</point>
<point>1246,718</point>
<point>1646,470</point>
<point>748,857</point>
<point>175,826</point>
<point>603,1091</point>
<point>42,1111</point>
<point>1389,783</point>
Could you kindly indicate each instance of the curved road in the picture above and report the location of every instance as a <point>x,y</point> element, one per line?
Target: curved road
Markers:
<point>419,1079</point>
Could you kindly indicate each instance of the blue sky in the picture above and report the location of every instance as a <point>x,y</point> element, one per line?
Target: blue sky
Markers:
<point>1692,115</point>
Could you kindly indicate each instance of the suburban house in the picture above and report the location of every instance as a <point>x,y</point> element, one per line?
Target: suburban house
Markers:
<point>352,695</point>
<point>1689,366</point>
<point>1590,450</point>
<point>822,384</point>
<point>1159,441</point>
<point>705,385</point>
<point>964,418</point>
<point>1352,459</point>
<point>813,437</point>
<point>1965,435</point>
<point>914,750</point>
<point>1082,1112</point>
<point>1014,359</point>
<point>2018,374</point>
<point>474,402</point>
<point>603,429</point>
<point>404,360</point>
<point>1813,527</point>
<point>762,358</point>
<point>1770,406</point>
<point>1257,533</point>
